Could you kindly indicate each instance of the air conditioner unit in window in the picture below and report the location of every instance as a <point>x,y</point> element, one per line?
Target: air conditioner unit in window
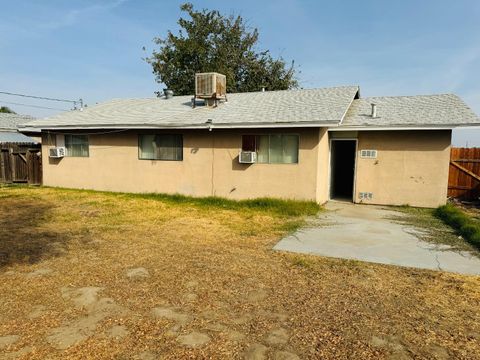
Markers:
<point>247,157</point>
<point>57,152</point>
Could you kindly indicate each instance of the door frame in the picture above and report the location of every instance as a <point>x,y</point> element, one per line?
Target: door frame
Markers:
<point>330,166</point>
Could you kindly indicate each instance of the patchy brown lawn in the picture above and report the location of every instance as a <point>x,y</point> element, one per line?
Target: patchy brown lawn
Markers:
<point>94,275</point>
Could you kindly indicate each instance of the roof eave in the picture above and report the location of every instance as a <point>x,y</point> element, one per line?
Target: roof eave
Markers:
<point>184,126</point>
<point>28,129</point>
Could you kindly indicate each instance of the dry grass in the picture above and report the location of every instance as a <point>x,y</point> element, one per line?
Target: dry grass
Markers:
<point>216,267</point>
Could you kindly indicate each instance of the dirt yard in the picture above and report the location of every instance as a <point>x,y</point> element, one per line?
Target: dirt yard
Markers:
<point>108,276</point>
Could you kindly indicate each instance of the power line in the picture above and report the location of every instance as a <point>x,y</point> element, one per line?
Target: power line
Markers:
<point>34,106</point>
<point>40,97</point>
<point>98,132</point>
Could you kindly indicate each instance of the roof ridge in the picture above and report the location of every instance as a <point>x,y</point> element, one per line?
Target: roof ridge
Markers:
<point>106,101</point>
<point>298,89</point>
<point>408,96</point>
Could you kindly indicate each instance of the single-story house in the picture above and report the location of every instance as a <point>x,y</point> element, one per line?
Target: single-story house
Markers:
<point>9,134</point>
<point>314,144</point>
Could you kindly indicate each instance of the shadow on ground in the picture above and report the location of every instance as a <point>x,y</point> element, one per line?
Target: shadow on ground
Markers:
<point>22,239</point>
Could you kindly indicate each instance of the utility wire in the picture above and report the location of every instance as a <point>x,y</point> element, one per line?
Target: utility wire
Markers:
<point>38,97</point>
<point>34,106</point>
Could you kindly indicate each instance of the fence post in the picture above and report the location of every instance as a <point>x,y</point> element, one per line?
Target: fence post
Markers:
<point>2,167</point>
<point>13,164</point>
<point>28,156</point>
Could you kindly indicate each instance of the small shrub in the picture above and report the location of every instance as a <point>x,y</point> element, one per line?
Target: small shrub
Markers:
<point>468,231</point>
<point>475,240</point>
<point>463,224</point>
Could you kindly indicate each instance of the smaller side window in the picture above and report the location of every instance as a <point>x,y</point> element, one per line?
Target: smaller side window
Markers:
<point>49,139</point>
<point>76,145</point>
<point>249,143</point>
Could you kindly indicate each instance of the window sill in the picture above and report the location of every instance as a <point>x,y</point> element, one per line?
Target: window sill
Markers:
<point>160,160</point>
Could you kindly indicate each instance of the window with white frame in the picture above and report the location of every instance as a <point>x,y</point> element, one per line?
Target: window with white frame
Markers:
<point>160,147</point>
<point>76,145</point>
<point>273,148</point>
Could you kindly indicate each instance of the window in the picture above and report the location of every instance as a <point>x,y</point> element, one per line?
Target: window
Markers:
<point>76,145</point>
<point>273,148</point>
<point>160,147</point>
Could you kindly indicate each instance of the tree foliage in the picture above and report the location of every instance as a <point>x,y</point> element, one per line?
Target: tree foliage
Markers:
<point>6,109</point>
<point>211,42</point>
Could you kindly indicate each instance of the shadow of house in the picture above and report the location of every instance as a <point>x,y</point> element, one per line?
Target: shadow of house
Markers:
<point>22,238</point>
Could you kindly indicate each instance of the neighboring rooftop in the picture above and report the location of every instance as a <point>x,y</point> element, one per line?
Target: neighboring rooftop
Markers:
<point>11,122</point>
<point>9,128</point>
<point>15,137</point>
<point>313,106</point>
<point>421,110</point>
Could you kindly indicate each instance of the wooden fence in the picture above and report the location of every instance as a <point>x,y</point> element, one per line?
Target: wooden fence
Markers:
<point>20,164</point>
<point>464,173</point>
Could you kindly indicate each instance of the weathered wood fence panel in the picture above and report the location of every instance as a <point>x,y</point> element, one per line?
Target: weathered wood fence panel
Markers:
<point>20,164</point>
<point>464,173</point>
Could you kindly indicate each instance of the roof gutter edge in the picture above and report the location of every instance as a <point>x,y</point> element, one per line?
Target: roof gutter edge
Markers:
<point>175,126</point>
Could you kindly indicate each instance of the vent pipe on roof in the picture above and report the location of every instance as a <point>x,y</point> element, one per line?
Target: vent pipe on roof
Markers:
<point>168,93</point>
<point>263,88</point>
<point>374,110</point>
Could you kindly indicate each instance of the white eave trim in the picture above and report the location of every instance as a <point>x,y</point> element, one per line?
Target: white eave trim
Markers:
<point>176,126</point>
<point>28,129</point>
<point>329,125</point>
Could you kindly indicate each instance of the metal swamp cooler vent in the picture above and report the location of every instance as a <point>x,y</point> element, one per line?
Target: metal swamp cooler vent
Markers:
<point>211,87</point>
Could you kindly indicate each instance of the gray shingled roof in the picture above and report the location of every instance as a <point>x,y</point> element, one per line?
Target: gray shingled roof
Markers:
<point>11,121</point>
<point>422,110</point>
<point>313,106</point>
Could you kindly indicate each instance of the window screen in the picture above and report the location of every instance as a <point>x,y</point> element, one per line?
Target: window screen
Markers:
<point>76,145</point>
<point>160,147</point>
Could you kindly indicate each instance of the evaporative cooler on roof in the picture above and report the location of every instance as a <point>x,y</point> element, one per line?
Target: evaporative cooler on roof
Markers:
<point>211,87</point>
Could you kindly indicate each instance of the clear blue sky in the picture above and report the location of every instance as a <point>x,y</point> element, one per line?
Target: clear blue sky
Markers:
<point>93,49</point>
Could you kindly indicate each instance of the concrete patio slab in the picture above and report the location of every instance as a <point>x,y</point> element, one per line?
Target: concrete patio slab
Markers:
<point>367,233</point>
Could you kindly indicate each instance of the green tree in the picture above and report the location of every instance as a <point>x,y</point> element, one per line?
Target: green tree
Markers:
<point>6,109</point>
<point>209,41</point>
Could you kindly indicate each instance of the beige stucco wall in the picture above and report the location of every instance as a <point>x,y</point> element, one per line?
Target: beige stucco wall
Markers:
<point>209,167</point>
<point>411,167</point>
